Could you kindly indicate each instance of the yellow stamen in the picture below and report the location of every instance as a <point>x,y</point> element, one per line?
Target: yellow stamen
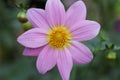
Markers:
<point>59,37</point>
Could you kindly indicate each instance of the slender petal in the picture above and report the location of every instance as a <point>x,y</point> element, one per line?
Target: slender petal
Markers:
<point>47,59</point>
<point>64,63</point>
<point>85,30</point>
<point>37,18</point>
<point>75,13</point>
<point>80,53</point>
<point>32,51</point>
<point>33,38</point>
<point>55,12</point>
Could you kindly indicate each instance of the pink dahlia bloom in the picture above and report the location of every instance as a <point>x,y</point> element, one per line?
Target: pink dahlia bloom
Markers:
<point>57,35</point>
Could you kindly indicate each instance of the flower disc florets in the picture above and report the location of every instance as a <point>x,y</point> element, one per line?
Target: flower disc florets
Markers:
<point>59,37</point>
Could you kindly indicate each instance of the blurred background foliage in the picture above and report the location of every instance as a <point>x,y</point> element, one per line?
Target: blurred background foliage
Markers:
<point>105,47</point>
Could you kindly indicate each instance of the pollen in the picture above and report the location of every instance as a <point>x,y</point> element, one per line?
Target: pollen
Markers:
<point>59,37</point>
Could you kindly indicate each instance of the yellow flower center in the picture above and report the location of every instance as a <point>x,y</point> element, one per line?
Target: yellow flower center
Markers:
<point>59,37</point>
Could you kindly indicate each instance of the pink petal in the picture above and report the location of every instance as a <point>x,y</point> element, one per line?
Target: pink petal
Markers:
<point>85,30</point>
<point>37,18</point>
<point>80,53</point>
<point>46,60</point>
<point>33,38</point>
<point>32,51</point>
<point>55,12</point>
<point>64,63</point>
<point>75,13</point>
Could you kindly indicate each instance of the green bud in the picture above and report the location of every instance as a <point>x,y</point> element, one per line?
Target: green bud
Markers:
<point>22,17</point>
<point>111,55</point>
<point>27,25</point>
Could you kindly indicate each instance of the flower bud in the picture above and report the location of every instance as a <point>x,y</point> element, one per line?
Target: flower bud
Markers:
<point>22,17</point>
<point>111,55</point>
<point>27,25</point>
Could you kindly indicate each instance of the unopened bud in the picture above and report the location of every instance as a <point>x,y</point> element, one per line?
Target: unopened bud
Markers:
<point>27,25</point>
<point>22,17</point>
<point>111,55</point>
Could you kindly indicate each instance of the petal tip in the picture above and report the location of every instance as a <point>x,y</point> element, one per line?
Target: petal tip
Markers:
<point>30,12</point>
<point>89,59</point>
<point>19,40</point>
<point>38,68</point>
<point>98,27</point>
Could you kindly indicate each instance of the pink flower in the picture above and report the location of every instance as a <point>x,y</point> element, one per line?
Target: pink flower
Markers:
<point>56,35</point>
